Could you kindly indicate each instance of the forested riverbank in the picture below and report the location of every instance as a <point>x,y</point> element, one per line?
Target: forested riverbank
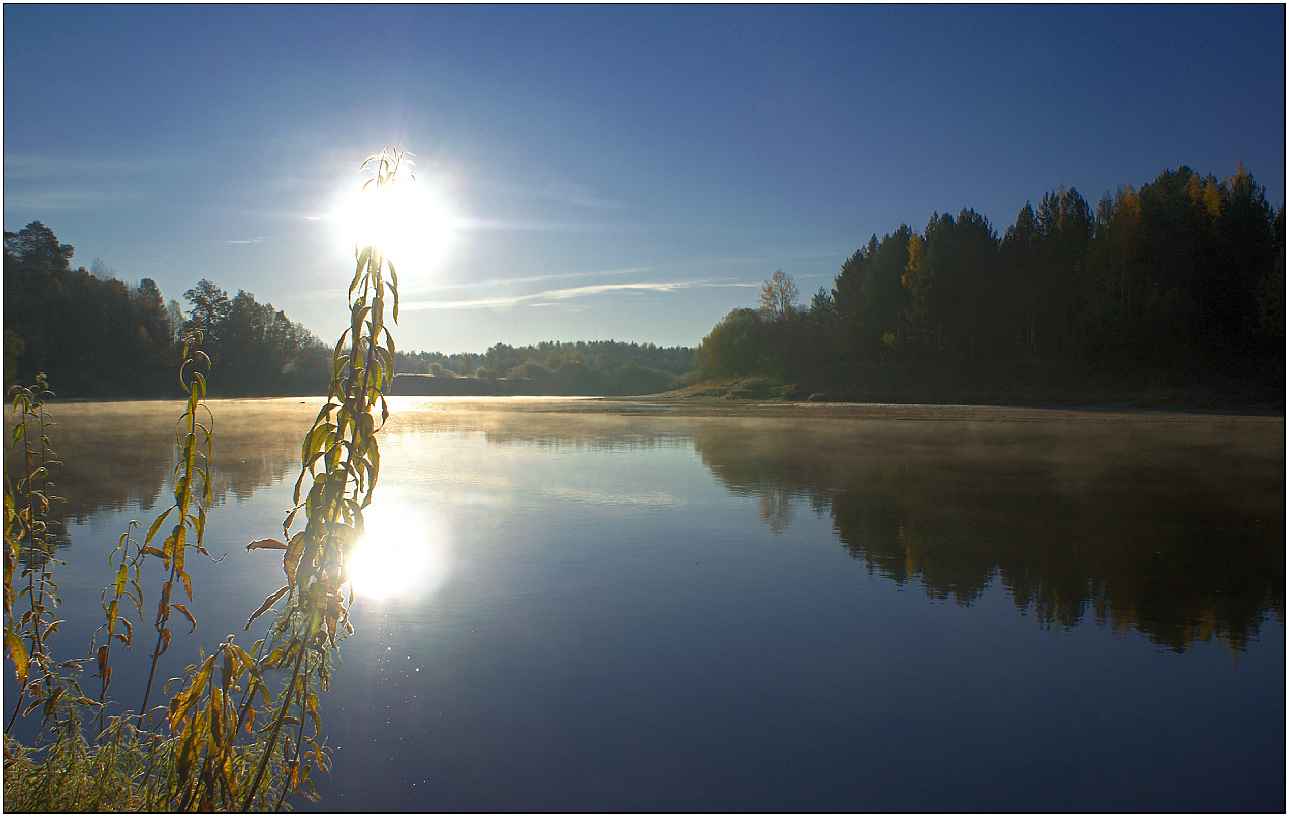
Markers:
<point>985,384</point>
<point>97,336</point>
<point>1172,293</point>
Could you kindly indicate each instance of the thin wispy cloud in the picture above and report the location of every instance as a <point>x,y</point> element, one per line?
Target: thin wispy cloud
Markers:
<point>40,182</point>
<point>523,279</point>
<point>555,190</point>
<point>55,197</point>
<point>256,240</point>
<point>32,166</point>
<point>552,297</point>
<point>521,225</point>
<point>410,293</point>
<point>529,279</point>
<point>258,213</point>
<point>724,260</point>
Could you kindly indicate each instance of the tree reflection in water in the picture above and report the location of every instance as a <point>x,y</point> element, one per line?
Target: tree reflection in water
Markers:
<point>1171,525</point>
<point>1173,529</point>
<point>119,454</point>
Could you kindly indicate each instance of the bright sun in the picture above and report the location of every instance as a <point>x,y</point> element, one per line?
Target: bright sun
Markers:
<point>409,221</point>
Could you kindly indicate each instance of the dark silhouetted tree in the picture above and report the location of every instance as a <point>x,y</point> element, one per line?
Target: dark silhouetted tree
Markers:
<point>35,246</point>
<point>738,346</point>
<point>209,309</point>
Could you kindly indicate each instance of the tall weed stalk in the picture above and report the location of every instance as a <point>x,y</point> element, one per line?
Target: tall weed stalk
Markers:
<point>226,741</point>
<point>28,522</point>
<point>341,458</point>
<point>193,438</point>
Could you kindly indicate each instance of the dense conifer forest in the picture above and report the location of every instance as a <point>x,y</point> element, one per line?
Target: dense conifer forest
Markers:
<point>97,336</point>
<point>1177,284</point>
<point>601,367</point>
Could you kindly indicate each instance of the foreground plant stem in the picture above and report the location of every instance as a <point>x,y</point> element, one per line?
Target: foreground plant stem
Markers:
<point>213,757</point>
<point>343,444</point>
<point>32,515</point>
<point>175,545</point>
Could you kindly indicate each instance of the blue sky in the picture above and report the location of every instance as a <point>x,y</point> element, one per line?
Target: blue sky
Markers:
<point>628,172</point>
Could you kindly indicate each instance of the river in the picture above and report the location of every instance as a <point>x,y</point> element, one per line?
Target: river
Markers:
<point>595,605</point>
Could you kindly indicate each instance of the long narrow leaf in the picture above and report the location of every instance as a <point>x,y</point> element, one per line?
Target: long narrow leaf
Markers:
<point>268,602</point>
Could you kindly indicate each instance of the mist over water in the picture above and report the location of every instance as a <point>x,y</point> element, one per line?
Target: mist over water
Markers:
<point>603,607</point>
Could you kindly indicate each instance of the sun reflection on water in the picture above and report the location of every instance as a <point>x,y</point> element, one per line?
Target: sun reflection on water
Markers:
<point>403,552</point>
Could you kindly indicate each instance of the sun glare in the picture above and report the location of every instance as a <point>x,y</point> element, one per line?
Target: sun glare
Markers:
<point>400,554</point>
<point>409,221</point>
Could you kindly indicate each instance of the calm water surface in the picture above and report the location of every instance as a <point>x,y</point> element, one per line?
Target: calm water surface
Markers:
<point>627,609</point>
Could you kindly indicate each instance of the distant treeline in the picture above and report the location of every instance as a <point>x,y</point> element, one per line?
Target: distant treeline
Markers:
<point>602,367</point>
<point>1185,275</point>
<point>95,335</point>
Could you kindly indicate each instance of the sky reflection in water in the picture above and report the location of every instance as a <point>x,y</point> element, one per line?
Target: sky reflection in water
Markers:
<point>586,611</point>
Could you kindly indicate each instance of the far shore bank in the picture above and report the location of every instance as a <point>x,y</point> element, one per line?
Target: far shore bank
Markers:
<point>679,403</point>
<point>960,394</point>
<point>983,388</point>
<point>675,404</point>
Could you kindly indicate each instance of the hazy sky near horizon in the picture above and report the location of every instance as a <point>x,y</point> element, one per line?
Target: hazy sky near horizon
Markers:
<point>628,172</point>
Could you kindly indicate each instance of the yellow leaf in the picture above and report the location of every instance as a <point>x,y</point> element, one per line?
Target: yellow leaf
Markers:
<point>216,715</point>
<point>268,602</point>
<point>291,559</point>
<point>152,531</point>
<point>18,652</point>
<point>272,544</point>
<point>187,615</point>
